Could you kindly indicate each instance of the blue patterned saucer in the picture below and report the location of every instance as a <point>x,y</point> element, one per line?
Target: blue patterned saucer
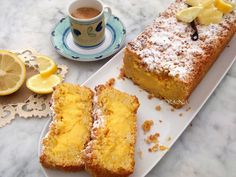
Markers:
<point>62,41</point>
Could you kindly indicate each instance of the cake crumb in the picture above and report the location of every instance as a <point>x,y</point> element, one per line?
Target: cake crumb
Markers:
<point>158,107</point>
<point>172,109</point>
<point>110,82</point>
<point>189,108</point>
<point>122,74</point>
<point>154,148</point>
<point>150,96</point>
<point>163,148</point>
<point>157,147</point>
<point>152,138</point>
<point>147,125</point>
<point>160,121</point>
<point>180,114</point>
<point>140,154</point>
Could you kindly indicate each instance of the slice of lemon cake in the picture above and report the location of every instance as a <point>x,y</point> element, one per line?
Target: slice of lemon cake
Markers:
<point>110,153</point>
<point>171,57</point>
<point>69,131</point>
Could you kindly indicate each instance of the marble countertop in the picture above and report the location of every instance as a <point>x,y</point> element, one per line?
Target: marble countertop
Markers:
<point>206,149</point>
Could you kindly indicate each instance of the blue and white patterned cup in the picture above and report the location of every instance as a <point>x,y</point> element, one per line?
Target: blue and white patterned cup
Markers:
<point>88,32</point>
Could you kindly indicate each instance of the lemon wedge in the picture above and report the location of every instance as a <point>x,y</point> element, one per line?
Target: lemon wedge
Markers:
<point>203,3</point>
<point>12,72</point>
<point>43,85</point>
<point>224,6</point>
<point>209,16</point>
<point>189,14</point>
<point>46,65</point>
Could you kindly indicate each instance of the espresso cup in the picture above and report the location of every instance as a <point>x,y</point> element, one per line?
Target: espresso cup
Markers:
<point>88,32</point>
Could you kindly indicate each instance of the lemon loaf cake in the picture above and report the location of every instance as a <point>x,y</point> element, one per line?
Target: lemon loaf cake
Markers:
<point>110,153</point>
<point>69,131</point>
<point>164,59</point>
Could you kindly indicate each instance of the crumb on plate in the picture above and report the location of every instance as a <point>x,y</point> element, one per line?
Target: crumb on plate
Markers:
<point>110,82</point>
<point>147,125</point>
<point>122,74</point>
<point>163,148</point>
<point>157,147</point>
<point>153,148</point>
<point>158,107</point>
<point>150,96</point>
<point>140,154</point>
<point>152,138</point>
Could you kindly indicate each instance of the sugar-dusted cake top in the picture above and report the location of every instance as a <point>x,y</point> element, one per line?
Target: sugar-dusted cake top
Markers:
<point>166,45</point>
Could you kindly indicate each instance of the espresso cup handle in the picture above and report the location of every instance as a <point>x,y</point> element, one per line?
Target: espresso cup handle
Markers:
<point>109,14</point>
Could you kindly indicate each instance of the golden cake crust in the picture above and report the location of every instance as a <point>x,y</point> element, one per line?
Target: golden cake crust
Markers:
<point>166,51</point>
<point>59,95</point>
<point>92,161</point>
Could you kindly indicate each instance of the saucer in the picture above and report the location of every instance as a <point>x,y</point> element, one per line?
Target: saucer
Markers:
<point>62,41</point>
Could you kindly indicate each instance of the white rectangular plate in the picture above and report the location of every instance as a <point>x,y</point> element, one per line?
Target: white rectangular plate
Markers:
<point>172,124</point>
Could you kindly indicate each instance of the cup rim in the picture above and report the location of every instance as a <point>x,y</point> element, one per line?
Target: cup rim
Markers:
<point>85,20</point>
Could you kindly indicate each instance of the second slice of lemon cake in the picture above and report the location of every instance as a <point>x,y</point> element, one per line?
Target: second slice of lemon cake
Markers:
<point>110,153</point>
<point>69,131</point>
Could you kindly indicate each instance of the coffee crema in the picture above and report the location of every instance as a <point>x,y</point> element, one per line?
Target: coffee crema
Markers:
<point>85,13</point>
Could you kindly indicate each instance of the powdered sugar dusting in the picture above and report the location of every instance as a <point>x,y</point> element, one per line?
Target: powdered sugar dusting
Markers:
<point>98,117</point>
<point>166,46</point>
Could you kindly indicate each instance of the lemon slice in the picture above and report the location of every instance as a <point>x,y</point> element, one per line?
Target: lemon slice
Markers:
<point>43,85</point>
<point>189,14</point>
<point>12,72</point>
<point>46,65</point>
<point>203,3</point>
<point>224,6</point>
<point>209,16</point>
